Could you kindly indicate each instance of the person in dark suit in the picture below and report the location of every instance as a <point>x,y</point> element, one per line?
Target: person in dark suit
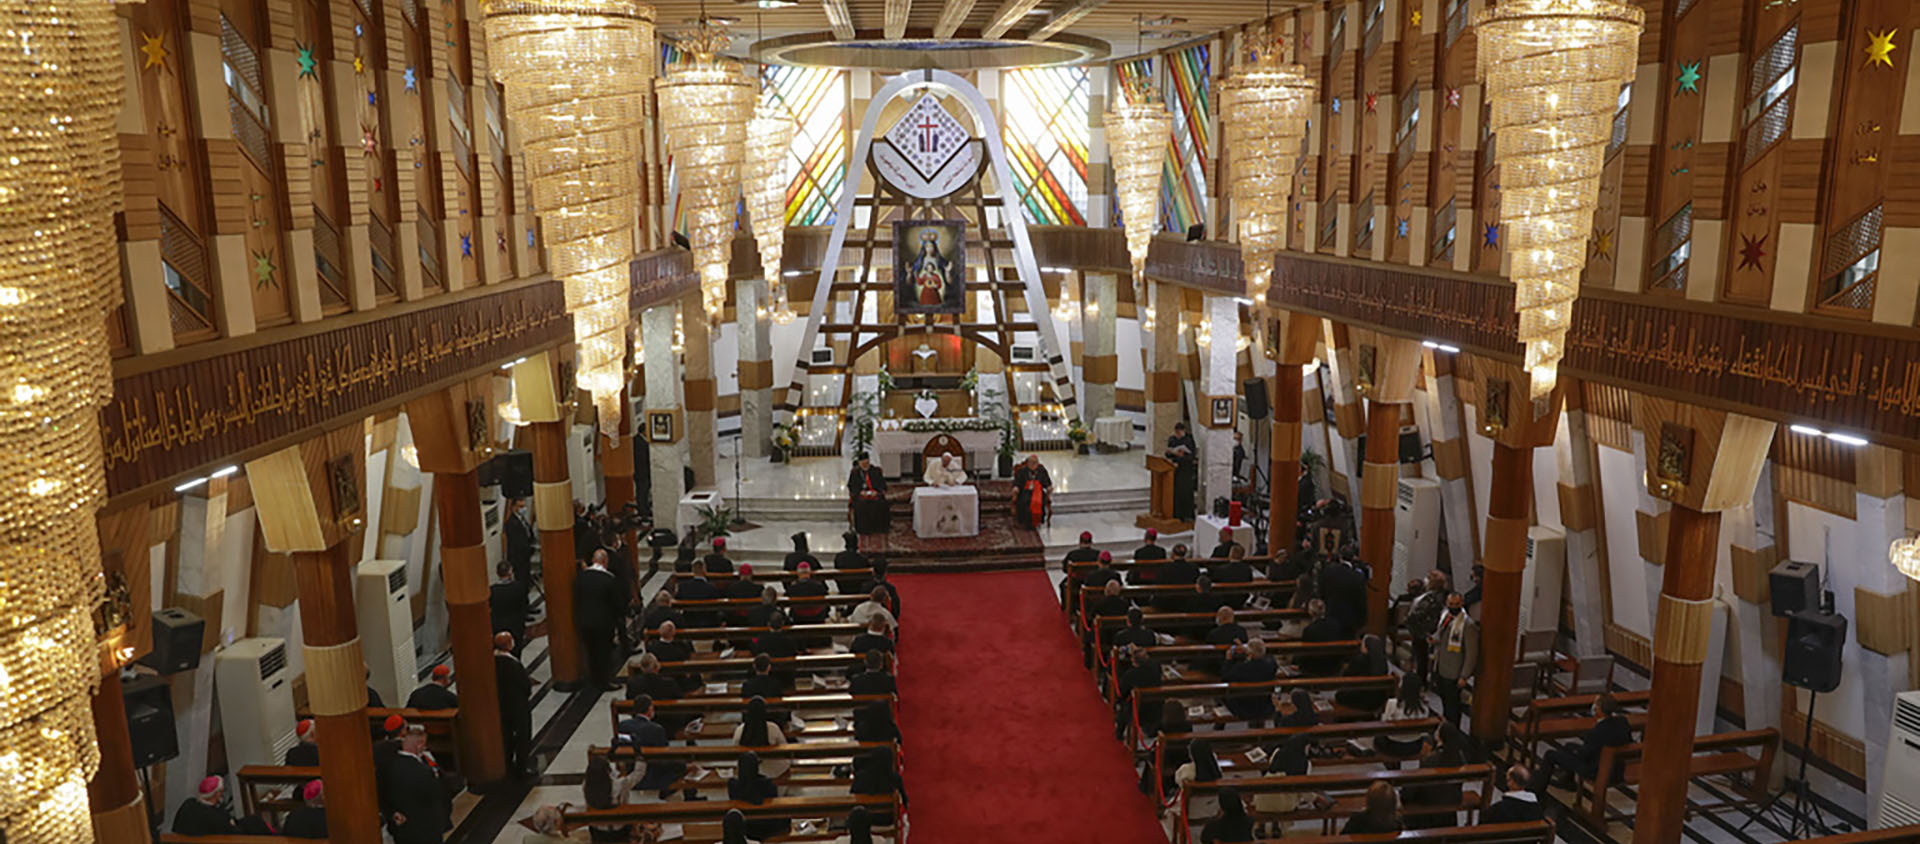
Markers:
<point>661,609</point>
<point>518,536</point>
<point>436,692</point>
<point>516,708</point>
<point>748,785</point>
<point>1611,730</point>
<point>776,642</point>
<point>1518,804</point>
<point>878,565</point>
<point>849,557</point>
<point>309,820</point>
<point>716,561</point>
<point>698,588</point>
<point>742,588</point>
<point>1103,575</point>
<point>1178,570</point>
<point>805,585</point>
<point>599,604</point>
<point>1225,630</point>
<point>1343,586</point>
<point>1110,603</point>
<point>422,807</point>
<point>1142,671</point>
<point>641,730</point>
<point>205,813</point>
<point>1232,826</point>
<point>1184,452</point>
<point>1136,632</point>
<point>873,723</point>
<point>1204,599</point>
<point>799,554</point>
<point>1250,663</point>
<point>1082,553</point>
<point>667,647</point>
<point>762,682</point>
<point>1371,661</point>
<point>875,639</point>
<point>1320,628</point>
<point>761,612</point>
<point>1234,568</point>
<point>1444,750</point>
<point>644,678</point>
<point>507,602</point>
<point>874,773</point>
<point>1226,545</point>
<point>1150,548</point>
<point>873,678</point>
<point>305,753</point>
<point>386,748</point>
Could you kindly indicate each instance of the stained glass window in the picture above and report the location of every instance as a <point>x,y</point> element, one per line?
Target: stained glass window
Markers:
<point>1046,115</point>
<point>1183,191</point>
<point>816,99</point>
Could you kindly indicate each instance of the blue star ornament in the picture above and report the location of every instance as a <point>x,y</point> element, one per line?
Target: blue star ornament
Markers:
<point>411,79</point>
<point>1490,238</point>
<point>466,246</point>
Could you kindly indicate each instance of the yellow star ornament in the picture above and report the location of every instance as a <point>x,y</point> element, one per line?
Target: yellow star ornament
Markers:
<point>1414,20</point>
<point>155,49</point>
<point>1880,48</point>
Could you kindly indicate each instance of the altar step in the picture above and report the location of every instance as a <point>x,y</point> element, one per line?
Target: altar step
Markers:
<point>822,508</point>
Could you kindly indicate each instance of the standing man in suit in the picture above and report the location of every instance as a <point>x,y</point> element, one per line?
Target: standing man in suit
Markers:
<point>519,541</point>
<point>599,604</point>
<point>507,602</point>
<point>435,694</point>
<point>417,793</point>
<point>1344,586</point>
<point>516,710</point>
<point>1456,655</point>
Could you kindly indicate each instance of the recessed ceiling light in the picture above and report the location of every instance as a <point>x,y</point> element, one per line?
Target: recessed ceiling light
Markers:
<point>771,4</point>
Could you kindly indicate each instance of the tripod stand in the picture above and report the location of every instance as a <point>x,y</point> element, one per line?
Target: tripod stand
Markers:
<point>739,506</point>
<point>1803,819</point>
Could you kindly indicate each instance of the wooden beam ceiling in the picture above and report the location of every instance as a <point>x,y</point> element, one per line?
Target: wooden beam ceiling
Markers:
<point>896,18</point>
<point>839,18</point>
<point>1065,18</point>
<point>951,16</point>
<point>1011,11</point>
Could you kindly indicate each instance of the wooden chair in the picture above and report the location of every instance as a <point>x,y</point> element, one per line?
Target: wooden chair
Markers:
<point>1591,675</point>
<point>1526,683</point>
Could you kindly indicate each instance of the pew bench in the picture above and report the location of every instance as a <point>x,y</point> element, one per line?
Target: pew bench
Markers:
<point>1348,793</point>
<point>841,752</point>
<point>1237,742</point>
<point>1181,591</point>
<point>177,838</point>
<point>834,702</point>
<point>1132,568</point>
<point>742,663</point>
<point>1528,832</point>
<point>1720,754</point>
<point>834,630</point>
<point>1103,627</point>
<point>1156,696</point>
<point>1550,718</point>
<point>831,807</point>
<point>778,573</point>
<point>272,788</point>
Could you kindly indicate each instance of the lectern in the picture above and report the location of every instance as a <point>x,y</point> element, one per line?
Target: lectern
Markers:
<point>1160,499</point>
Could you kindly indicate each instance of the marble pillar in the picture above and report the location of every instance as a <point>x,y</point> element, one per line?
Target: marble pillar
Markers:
<point>1163,365</point>
<point>697,391</point>
<point>756,366</point>
<point>1098,361</point>
<point>1220,377</point>
<point>663,393</point>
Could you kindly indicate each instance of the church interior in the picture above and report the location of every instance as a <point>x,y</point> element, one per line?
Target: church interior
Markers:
<point>525,421</point>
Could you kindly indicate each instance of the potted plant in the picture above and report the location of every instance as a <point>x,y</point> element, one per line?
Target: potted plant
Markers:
<point>783,442</point>
<point>1078,434</point>
<point>715,521</point>
<point>862,409</point>
<point>1314,464</point>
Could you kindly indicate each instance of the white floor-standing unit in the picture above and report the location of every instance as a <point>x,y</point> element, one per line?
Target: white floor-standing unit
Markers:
<point>383,609</point>
<point>255,688</point>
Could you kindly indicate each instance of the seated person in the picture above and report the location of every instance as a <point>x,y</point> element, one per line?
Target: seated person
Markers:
<point>603,789</point>
<point>1136,632</point>
<point>1290,759</point>
<point>763,683</point>
<point>305,752</point>
<point>1410,704</point>
<point>850,556</point>
<point>1204,599</point>
<point>1138,671</point>
<point>1321,628</point>
<point>1371,661</point>
<point>875,639</point>
<point>1178,570</point>
<point>874,773</point>
<point>1173,754</point>
<point>776,642</point>
<point>698,588</point>
<point>661,610</point>
<point>1110,603</point>
<point>205,813</point>
<point>1104,574</point>
<point>769,604</point>
<point>667,646</point>
<point>877,605</point>
<point>642,730</point>
<point>1225,630</point>
<point>946,472</point>
<point>1382,812</point>
<point>1232,826</point>
<point>1082,553</point>
<point>1226,546</point>
<point>799,554</point>
<point>874,723</point>
<point>716,561</point>
<point>1518,804</point>
<point>750,785</point>
<point>1249,663</point>
<point>1149,550</point>
<point>742,588</point>
<point>1202,766</point>
<point>1444,750</point>
<point>310,819</point>
<point>878,566</point>
<point>1611,730</point>
<point>644,678</point>
<point>436,693</point>
<point>1234,568</point>
<point>758,730</point>
<point>1298,710</point>
<point>805,585</point>
<point>873,677</point>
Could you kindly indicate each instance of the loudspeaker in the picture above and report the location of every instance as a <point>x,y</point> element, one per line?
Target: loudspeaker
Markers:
<point>680,240</point>
<point>150,721</point>
<point>176,641</point>
<point>1197,231</point>
<point>1410,451</point>
<point>515,471</point>
<point>1815,641</point>
<point>1255,398</point>
<point>1794,586</point>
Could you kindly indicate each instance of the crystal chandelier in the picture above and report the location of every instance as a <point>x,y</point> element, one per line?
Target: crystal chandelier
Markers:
<point>1138,133</point>
<point>1904,553</point>
<point>769,135</point>
<point>59,189</point>
<point>1553,71</point>
<point>575,74</point>
<point>1265,112</point>
<point>704,104</point>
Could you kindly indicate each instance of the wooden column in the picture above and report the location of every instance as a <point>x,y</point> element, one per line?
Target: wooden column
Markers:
<point>309,501</point>
<point>1385,369</point>
<point>463,567</point>
<point>616,459</point>
<point>453,430</point>
<point>545,396</point>
<point>1704,462</point>
<point>119,811</point>
<point>1294,338</point>
<point>698,394</point>
<point>1517,426</point>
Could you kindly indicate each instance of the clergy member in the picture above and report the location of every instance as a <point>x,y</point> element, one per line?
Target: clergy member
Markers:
<point>1032,492</point>
<point>867,494</point>
<point>946,472</point>
<point>1183,451</point>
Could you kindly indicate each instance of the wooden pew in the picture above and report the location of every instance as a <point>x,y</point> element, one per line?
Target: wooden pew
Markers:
<point>1547,719</point>
<point>1145,594</point>
<point>729,634</point>
<point>801,664</point>
<point>721,604</point>
<point>1156,696</point>
<point>177,838</point>
<point>1717,754</point>
<point>773,572</point>
<point>1161,622</point>
<point>1169,654</point>
<point>838,751</point>
<point>1527,832</point>
<point>1075,572</point>
<point>1903,834</point>
<point>711,811</point>
<point>834,702</point>
<point>1235,741</point>
<point>1351,789</point>
<point>262,787</point>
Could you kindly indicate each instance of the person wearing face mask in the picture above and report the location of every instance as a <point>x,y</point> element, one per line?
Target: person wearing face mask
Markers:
<point>1456,655</point>
<point>1611,730</point>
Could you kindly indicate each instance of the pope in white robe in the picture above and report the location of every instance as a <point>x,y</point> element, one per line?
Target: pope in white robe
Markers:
<point>946,472</point>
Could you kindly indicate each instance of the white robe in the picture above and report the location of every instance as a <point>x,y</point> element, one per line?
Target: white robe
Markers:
<point>939,474</point>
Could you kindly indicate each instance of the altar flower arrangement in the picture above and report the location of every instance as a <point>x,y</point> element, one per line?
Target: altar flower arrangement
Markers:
<point>1077,432</point>
<point>925,395</point>
<point>783,442</point>
<point>886,381</point>
<point>948,425</point>
<point>971,380</point>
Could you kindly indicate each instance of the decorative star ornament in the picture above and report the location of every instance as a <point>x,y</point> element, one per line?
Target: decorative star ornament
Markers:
<point>263,269</point>
<point>304,56</point>
<point>359,30</point>
<point>500,239</point>
<point>155,49</point>
<point>1752,249</point>
<point>1373,103</point>
<point>369,142</point>
<point>373,98</point>
<point>1880,48</point>
<point>530,241</point>
<point>466,246</point>
<point>410,80</point>
<point>1414,21</point>
<point>1490,237</point>
<point>359,65</point>
<point>1336,105</point>
<point>1689,79</point>
<point>1603,243</point>
<point>1400,228</point>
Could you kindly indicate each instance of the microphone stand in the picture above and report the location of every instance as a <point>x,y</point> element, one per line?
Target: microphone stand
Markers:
<point>739,505</point>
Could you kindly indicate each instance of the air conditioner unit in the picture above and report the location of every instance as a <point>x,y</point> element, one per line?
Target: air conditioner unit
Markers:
<point>1020,354</point>
<point>1542,579</point>
<point>1416,528</point>
<point>255,686</point>
<point>821,357</point>
<point>1900,785</point>
<point>384,612</point>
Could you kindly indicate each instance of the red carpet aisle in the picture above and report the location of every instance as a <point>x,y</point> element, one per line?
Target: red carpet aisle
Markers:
<point>1006,739</point>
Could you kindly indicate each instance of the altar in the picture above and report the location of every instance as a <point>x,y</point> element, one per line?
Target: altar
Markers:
<point>946,511</point>
<point>895,440</point>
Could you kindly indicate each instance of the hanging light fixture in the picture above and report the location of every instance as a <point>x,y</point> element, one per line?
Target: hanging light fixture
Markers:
<point>1553,71</point>
<point>1904,553</point>
<point>59,189</point>
<point>575,74</point>
<point>769,135</point>
<point>704,104</point>
<point>1265,104</point>
<point>1138,132</point>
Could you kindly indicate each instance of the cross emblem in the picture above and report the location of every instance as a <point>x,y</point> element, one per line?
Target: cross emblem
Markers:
<point>927,128</point>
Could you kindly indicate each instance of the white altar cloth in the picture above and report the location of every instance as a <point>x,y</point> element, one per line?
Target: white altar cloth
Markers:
<point>1207,529</point>
<point>892,445</point>
<point>943,511</point>
<point>1113,431</point>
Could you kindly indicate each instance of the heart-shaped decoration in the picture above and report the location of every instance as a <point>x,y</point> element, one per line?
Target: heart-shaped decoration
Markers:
<point>925,406</point>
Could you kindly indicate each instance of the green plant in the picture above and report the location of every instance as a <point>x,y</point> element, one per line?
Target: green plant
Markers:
<point>783,439</point>
<point>993,406</point>
<point>862,410</point>
<point>1312,463</point>
<point>1077,432</point>
<point>715,521</point>
<point>886,381</point>
<point>971,380</point>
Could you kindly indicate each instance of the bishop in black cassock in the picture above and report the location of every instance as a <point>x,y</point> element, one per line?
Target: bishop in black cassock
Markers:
<point>867,495</point>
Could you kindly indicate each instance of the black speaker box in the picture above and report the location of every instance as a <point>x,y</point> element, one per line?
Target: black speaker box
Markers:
<point>1197,231</point>
<point>514,469</point>
<point>1815,641</point>
<point>1410,450</point>
<point>150,721</point>
<point>1255,398</point>
<point>176,641</point>
<point>1794,586</point>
